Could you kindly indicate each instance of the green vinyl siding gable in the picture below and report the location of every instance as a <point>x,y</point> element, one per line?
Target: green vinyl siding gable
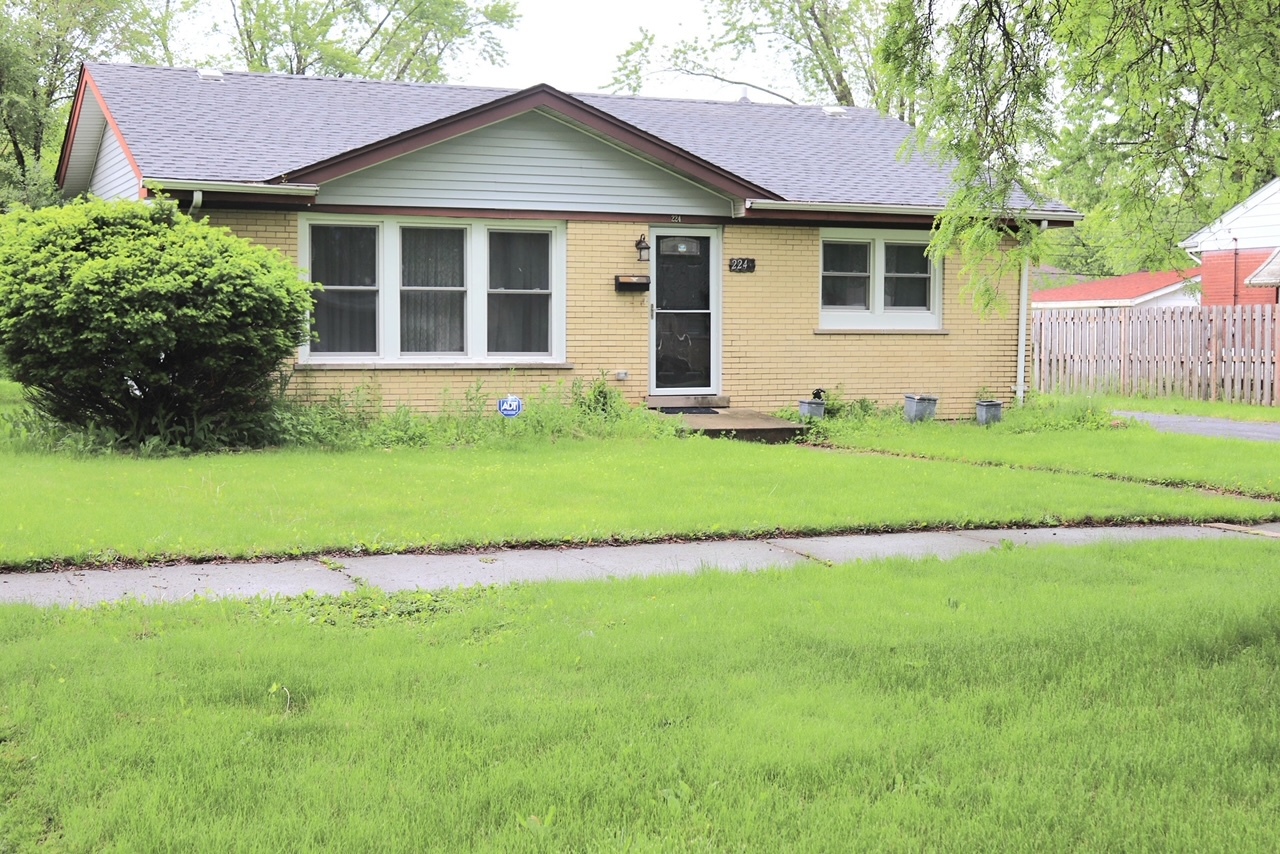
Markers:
<point>529,162</point>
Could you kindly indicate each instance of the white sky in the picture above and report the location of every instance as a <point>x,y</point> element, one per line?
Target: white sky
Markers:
<point>570,44</point>
<point>574,45</point>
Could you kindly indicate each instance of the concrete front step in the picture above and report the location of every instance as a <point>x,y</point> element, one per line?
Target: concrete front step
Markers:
<point>745,424</point>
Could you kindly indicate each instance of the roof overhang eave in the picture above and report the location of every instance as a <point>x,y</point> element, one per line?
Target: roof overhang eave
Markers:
<point>251,187</point>
<point>1083,303</point>
<point>1119,302</point>
<point>1268,273</point>
<point>896,210</point>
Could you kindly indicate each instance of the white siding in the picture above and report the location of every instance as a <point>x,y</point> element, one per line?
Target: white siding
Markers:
<point>1252,224</point>
<point>1178,297</point>
<point>529,162</point>
<point>113,177</point>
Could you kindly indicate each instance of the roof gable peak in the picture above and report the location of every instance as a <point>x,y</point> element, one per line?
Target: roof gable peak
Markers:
<point>545,98</point>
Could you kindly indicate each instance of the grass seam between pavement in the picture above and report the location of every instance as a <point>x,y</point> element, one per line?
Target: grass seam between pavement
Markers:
<point>1213,489</point>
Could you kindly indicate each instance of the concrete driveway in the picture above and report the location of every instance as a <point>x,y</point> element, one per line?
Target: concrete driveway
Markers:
<point>1197,425</point>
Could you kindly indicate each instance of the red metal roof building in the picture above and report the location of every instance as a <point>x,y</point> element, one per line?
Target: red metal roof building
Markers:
<point>1144,289</point>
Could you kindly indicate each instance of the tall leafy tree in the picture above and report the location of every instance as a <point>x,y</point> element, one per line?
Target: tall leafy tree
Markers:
<point>41,48</point>
<point>828,47</point>
<point>396,40</point>
<point>1152,115</point>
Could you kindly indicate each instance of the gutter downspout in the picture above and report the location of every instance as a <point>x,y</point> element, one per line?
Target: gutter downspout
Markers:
<point>1024,289</point>
<point>197,199</point>
<point>1235,271</point>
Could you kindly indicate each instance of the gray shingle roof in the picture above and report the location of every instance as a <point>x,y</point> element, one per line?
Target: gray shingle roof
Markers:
<point>254,127</point>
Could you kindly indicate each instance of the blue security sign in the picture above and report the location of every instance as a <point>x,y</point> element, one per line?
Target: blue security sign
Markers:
<point>510,406</point>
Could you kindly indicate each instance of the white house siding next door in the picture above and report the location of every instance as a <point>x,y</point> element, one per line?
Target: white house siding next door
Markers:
<point>685,311</point>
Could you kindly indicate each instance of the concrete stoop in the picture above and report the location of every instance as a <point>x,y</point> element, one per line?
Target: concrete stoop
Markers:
<point>738,423</point>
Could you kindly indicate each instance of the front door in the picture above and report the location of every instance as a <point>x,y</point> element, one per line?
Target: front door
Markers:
<point>685,338</point>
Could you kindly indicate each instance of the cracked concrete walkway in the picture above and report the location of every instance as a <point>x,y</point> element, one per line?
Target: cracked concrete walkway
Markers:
<point>432,572</point>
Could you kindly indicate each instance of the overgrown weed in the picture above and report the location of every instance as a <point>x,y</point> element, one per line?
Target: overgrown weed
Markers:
<point>359,420</point>
<point>1041,413</point>
<point>843,414</point>
<point>370,607</point>
<point>574,410</point>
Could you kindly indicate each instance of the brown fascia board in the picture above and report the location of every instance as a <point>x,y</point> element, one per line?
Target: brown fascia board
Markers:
<point>544,97</point>
<point>86,87</point>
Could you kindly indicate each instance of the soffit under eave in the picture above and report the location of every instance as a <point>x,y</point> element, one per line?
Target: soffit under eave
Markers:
<point>82,153</point>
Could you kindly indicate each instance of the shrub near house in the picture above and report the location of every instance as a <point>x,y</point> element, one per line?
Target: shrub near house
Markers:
<point>133,318</point>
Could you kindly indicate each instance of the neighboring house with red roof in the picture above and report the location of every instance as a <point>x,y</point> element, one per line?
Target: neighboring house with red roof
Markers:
<point>1237,251</point>
<point>1136,290</point>
<point>692,251</point>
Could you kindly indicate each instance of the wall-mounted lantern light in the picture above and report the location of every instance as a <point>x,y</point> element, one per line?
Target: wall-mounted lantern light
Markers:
<point>642,249</point>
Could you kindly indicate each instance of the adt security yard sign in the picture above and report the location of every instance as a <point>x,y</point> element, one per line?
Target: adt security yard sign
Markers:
<point>510,406</point>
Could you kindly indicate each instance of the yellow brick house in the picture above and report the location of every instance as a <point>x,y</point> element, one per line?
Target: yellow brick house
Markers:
<point>691,251</point>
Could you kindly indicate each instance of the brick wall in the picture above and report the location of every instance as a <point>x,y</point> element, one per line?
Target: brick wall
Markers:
<point>277,229</point>
<point>1218,273</point>
<point>772,356</point>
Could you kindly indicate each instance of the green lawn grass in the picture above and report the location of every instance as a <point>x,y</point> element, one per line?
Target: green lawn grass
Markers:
<point>1103,698</point>
<point>76,509</point>
<point>1135,451</point>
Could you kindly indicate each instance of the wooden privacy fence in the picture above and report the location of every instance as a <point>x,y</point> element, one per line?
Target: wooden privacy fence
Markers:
<point>1200,352</point>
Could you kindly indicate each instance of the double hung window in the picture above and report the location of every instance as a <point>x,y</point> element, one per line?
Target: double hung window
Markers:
<point>436,291</point>
<point>878,280</point>
<point>345,317</point>
<point>433,290</point>
<point>519,292</point>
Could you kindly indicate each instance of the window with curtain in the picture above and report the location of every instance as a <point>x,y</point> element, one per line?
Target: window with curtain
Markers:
<point>519,304</point>
<point>344,259</point>
<point>906,277</point>
<point>433,290</point>
<point>846,275</point>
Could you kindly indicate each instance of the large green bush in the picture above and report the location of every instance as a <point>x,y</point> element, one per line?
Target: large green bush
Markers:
<point>133,318</point>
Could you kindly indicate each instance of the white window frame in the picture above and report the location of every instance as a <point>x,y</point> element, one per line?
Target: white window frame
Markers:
<point>476,274</point>
<point>877,315</point>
